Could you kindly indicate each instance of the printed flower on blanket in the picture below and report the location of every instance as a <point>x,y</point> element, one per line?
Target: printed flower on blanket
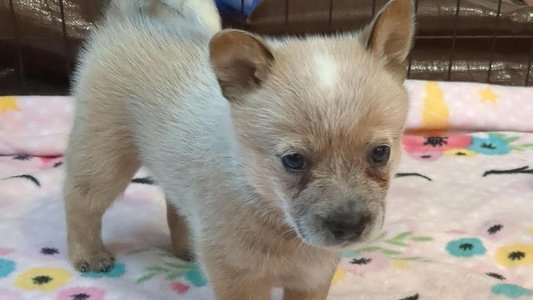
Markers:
<point>516,255</point>
<point>182,275</point>
<point>394,250</point>
<point>390,249</point>
<point>431,148</point>
<point>482,251</point>
<point>42,279</point>
<point>117,271</point>
<point>81,293</point>
<point>6,267</point>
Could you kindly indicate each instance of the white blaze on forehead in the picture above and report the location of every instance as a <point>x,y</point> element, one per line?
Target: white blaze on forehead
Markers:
<point>326,70</point>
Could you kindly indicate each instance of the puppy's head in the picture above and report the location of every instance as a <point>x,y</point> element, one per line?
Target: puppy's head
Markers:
<point>320,121</point>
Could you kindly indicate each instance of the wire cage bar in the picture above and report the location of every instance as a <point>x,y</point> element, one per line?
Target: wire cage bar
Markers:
<point>490,55</point>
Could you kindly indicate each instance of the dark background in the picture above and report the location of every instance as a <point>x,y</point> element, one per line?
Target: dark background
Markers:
<point>459,40</point>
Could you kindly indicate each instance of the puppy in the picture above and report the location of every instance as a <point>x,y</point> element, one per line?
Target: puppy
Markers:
<point>274,155</point>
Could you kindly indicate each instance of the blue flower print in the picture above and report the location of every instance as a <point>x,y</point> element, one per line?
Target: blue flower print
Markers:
<point>117,271</point>
<point>494,144</point>
<point>6,267</point>
<point>511,291</point>
<point>466,247</point>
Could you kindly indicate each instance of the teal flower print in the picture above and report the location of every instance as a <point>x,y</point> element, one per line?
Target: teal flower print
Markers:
<point>6,267</point>
<point>494,144</point>
<point>195,277</point>
<point>466,247</point>
<point>511,291</point>
<point>117,271</point>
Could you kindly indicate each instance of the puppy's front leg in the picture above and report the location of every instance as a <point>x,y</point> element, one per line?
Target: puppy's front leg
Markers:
<point>231,284</point>
<point>234,288</point>
<point>318,293</point>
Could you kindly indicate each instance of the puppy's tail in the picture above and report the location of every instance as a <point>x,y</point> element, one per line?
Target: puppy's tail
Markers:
<point>203,13</point>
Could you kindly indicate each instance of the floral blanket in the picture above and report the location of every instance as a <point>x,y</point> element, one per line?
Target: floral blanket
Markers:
<point>460,215</point>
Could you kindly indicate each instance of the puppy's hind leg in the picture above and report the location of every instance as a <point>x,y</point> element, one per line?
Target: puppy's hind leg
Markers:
<point>179,233</point>
<point>101,161</point>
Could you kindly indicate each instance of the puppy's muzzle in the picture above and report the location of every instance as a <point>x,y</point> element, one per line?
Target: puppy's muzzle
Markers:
<point>347,228</point>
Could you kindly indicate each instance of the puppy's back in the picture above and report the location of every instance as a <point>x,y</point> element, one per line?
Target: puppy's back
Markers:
<point>144,42</point>
<point>146,68</point>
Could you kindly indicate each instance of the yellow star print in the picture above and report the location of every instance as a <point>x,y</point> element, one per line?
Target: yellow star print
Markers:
<point>8,103</point>
<point>436,113</point>
<point>400,264</point>
<point>488,95</point>
<point>339,276</point>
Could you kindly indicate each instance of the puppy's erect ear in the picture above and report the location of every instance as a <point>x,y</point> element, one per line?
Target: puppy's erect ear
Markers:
<point>241,62</point>
<point>390,35</point>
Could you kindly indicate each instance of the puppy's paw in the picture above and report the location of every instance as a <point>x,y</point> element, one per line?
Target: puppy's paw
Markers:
<point>185,255</point>
<point>100,262</point>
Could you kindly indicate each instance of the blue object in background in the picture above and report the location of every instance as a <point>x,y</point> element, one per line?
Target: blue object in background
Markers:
<point>234,7</point>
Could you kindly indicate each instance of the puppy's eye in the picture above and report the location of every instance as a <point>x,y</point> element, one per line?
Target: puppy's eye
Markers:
<point>380,154</point>
<point>293,161</point>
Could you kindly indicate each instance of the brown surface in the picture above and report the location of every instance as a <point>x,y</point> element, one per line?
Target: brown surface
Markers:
<point>38,50</point>
<point>434,17</point>
<point>471,39</point>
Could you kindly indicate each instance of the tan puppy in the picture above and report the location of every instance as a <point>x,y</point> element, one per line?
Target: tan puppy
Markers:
<point>274,155</point>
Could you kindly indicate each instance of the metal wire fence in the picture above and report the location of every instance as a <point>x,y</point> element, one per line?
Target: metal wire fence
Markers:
<point>499,58</point>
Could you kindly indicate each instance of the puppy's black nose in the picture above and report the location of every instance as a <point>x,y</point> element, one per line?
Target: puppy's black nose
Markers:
<point>348,228</point>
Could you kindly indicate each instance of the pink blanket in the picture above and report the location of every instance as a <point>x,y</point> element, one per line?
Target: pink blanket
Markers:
<point>460,223</point>
<point>40,125</point>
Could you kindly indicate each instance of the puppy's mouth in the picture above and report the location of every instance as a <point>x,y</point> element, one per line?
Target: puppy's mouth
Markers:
<point>333,239</point>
